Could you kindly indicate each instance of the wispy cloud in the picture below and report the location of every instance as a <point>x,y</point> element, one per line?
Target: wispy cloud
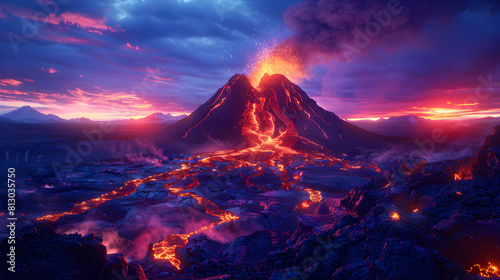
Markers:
<point>10,82</point>
<point>50,70</point>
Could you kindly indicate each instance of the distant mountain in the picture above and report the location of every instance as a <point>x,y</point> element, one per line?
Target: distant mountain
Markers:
<point>276,113</point>
<point>409,119</point>
<point>160,117</point>
<point>29,115</point>
<point>82,119</point>
<point>5,120</point>
<point>482,121</point>
<point>458,132</point>
<point>404,126</point>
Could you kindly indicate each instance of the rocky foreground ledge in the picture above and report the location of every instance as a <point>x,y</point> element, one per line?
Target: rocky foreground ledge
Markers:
<point>419,221</point>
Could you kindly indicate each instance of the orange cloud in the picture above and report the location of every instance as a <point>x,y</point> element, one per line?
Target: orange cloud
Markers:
<point>50,70</point>
<point>83,21</point>
<point>68,18</point>
<point>12,92</point>
<point>68,40</point>
<point>128,45</point>
<point>10,82</point>
<point>87,23</point>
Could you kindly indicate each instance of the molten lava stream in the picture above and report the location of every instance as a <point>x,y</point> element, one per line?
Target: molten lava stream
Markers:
<point>128,188</point>
<point>489,271</point>
<point>314,196</point>
<point>166,248</point>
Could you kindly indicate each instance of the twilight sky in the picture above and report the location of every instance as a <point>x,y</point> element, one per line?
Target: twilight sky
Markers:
<point>361,58</point>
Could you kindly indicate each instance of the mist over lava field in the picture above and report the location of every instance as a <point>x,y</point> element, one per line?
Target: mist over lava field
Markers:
<point>233,139</point>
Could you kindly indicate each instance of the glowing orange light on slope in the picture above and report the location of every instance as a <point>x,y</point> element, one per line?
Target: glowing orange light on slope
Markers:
<point>213,108</point>
<point>465,173</point>
<point>489,271</point>
<point>258,127</point>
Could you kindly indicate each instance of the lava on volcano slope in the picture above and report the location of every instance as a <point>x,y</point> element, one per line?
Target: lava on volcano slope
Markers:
<point>240,116</point>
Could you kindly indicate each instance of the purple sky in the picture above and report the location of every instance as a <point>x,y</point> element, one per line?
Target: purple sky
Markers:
<point>122,59</point>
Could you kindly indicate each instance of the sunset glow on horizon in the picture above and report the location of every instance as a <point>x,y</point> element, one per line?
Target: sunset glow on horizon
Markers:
<point>95,106</point>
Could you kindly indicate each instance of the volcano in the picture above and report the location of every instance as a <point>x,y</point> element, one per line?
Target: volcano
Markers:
<point>276,113</point>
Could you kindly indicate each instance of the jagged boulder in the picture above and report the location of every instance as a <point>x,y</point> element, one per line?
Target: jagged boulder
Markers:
<point>43,254</point>
<point>405,260</point>
<point>199,247</point>
<point>255,245</point>
<point>118,267</point>
<point>488,155</point>
<point>361,201</point>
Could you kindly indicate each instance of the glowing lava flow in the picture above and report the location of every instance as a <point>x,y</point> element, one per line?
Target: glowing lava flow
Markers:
<point>128,188</point>
<point>314,196</point>
<point>489,271</point>
<point>260,158</point>
<point>166,248</point>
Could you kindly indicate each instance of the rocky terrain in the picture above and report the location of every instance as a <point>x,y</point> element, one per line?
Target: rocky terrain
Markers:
<point>415,221</point>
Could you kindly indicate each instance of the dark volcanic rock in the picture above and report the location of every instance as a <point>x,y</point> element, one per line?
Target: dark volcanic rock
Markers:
<point>43,254</point>
<point>254,246</point>
<point>199,248</point>
<point>118,267</point>
<point>361,201</point>
<point>404,260</point>
<point>488,155</point>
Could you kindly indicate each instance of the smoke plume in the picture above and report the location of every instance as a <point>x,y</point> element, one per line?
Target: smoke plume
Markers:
<point>344,28</point>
